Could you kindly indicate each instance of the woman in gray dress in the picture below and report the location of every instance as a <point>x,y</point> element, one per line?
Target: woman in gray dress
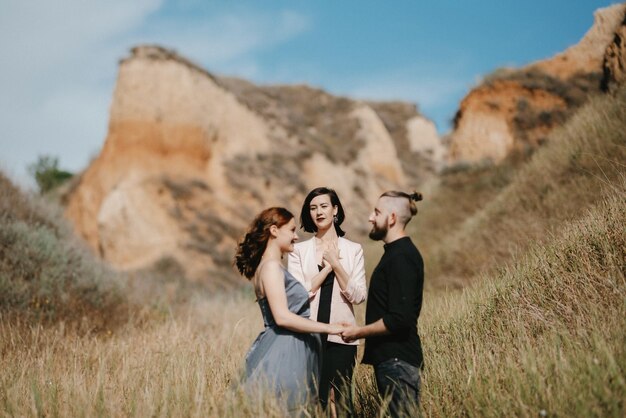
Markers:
<point>285,356</point>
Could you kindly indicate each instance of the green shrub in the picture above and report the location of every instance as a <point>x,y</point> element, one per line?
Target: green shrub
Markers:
<point>47,174</point>
<point>43,278</point>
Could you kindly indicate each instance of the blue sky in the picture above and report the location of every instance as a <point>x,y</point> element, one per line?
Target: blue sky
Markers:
<point>59,57</point>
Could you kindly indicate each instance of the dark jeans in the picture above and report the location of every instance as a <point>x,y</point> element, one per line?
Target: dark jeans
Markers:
<point>401,380</point>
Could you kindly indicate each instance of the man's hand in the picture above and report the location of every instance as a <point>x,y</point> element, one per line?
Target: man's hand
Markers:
<point>351,333</point>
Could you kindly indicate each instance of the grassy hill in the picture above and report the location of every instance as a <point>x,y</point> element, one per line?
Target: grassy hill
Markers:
<point>545,334</point>
<point>541,331</point>
<point>479,218</point>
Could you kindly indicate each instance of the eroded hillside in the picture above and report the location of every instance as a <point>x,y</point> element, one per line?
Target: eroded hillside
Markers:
<point>514,110</point>
<point>190,158</point>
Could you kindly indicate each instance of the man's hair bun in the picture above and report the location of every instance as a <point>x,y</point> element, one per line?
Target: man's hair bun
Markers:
<point>416,196</point>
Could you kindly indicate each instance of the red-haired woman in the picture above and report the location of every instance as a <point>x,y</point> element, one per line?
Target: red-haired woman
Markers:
<point>285,356</point>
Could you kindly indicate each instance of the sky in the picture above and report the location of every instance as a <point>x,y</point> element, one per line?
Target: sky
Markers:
<point>60,57</point>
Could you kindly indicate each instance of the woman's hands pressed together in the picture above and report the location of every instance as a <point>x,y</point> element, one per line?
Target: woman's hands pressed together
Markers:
<point>331,255</point>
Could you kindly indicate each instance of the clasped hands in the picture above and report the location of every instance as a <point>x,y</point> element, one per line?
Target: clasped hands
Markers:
<point>330,255</point>
<point>348,332</point>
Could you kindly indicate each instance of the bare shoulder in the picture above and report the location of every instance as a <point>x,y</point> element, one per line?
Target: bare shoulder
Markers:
<point>270,270</point>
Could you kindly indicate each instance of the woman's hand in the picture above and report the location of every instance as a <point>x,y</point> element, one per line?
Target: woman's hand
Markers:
<point>331,255</point>
<point>326,267</point>
<point>336,329</point>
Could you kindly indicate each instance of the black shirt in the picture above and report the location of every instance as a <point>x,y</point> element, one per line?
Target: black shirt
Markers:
<point>395,295</point>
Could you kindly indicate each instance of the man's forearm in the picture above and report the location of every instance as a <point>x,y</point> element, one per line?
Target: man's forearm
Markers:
<point>373,329</point>
<point>354,333</point>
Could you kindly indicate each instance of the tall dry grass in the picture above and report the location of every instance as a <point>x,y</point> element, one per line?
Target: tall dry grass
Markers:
<point>177,367</point>
<point>186,366</point>
<point>545,336</point>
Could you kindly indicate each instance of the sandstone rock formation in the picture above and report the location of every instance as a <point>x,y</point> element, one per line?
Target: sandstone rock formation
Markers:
<point>190,158</point>
<point>514,110</point>
<point>615,59</point>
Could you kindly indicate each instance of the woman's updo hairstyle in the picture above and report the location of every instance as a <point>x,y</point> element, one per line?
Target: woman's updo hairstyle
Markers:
<point>251,248</point>
<point>307,222</point>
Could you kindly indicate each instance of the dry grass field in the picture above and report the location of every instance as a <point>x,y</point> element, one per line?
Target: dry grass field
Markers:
<point>523,315</point>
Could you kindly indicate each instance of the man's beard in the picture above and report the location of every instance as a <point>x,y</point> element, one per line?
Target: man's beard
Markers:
<point>378,234</point>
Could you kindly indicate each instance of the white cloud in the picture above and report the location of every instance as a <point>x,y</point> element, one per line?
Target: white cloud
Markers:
<point>223,39</point>
<point>42,36</point>
<point>55,58</point>
<point>60,61</point>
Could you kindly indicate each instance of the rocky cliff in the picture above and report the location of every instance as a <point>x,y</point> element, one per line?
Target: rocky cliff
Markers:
<point>615,60</point>
<point>190,158</point>
<point>513,110</point>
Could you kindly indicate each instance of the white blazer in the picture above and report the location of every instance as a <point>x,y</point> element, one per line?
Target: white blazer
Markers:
<point>302,264</point>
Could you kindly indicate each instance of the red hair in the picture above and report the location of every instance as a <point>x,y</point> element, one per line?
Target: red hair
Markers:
<point>251,248</point>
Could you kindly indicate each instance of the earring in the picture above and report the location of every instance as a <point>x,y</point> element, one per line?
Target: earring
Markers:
<point>335,219</point>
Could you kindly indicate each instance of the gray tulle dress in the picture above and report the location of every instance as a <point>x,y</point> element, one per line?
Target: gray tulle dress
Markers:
<point>284,362</point>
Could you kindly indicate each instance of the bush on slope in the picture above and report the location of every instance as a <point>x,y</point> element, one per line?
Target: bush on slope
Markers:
<point>45,274</point>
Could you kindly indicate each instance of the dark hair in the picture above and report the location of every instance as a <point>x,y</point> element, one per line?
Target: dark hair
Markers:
<point>413,197</point>
<point>305,215</point>
<point>251,248</point>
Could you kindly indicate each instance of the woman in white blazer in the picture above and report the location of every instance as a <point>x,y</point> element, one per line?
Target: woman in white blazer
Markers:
<point>331,268</point>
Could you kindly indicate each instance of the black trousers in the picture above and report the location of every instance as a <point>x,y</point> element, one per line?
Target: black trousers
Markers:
<point>338,362</point>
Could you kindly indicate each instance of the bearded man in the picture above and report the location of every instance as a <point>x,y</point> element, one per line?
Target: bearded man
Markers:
<point>392,343</point>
